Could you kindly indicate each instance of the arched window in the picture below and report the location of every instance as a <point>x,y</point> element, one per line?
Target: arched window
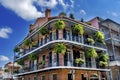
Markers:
<point>94,77</point>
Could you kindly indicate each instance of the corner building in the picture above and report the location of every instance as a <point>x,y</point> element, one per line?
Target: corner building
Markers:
<point>56,65</point>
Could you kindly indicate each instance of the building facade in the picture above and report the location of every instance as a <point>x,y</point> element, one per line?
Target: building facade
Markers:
<point>111,30</point>
<point>39,60</point>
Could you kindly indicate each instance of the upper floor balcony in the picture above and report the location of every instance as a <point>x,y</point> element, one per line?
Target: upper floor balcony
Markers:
<point>59,36</point>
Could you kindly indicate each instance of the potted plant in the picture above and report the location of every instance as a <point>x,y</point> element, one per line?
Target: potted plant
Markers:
<point>103,57</point>
<point>59,25</point>
<point>103,64</point>
<point>16,49</point>
<point>5,70</point>
<point>33,56</point>
<point>20,62</point>
<point>44,31</point>
<point>90,40</point>
<point>25,68</point>
<point>91,53</point>
<point>60,48</point>
<point>78,29</point>
<point>16,71</point>
<point>79,61</point>
<point>28,43</point>
<point>99,36</point>
<point>42,63</point>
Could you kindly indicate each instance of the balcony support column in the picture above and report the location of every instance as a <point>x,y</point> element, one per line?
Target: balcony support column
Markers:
<point>113,49</point>
<point>71,51</point>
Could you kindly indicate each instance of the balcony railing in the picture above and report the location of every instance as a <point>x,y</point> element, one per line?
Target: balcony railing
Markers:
<point>69,37</point>
<point>87,64</point>
<point>112,36</point>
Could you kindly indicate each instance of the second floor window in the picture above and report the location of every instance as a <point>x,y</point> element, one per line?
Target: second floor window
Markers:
<point>43,78</point>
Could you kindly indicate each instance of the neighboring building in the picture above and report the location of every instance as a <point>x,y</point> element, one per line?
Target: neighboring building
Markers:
<point>111,30</point>
<point>9,70</point>
<point>51,66</point>
<point>1,73</point>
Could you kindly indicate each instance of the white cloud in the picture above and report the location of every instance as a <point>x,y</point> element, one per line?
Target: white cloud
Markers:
<point>45,3</point>
<point>114,14</point>
<point>4,32</point>
<point>23,8</point>
<point>72,3</point>
<point>65,5</point>
<point>4,58</point>
<point>27,10</point>
<point>82,12</point>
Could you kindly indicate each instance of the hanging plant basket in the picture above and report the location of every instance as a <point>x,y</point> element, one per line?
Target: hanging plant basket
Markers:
<point>59,24</point>
<point>91,53</point>
<point>90,40</point>
<point>44,31</point>
<point>16,49</point>
<point>78,28</point>
<point>60,48</point>
<point>20,62</point>
<point>42,62</point>
<point>79,61</point>
<point>6,70</point>
<point>27,42</point>
<point>32,56</point>
<point>103,64</point>
<point>99,36</point>
<point>103,57</point>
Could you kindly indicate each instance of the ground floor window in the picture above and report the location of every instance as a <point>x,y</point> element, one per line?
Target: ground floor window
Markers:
<point>70,77</point>
<point>43,78</point>
<point>54,76</point>
<point>83,77</point>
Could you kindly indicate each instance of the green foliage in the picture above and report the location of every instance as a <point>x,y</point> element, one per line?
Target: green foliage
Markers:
<point>16,71</point>
<point>90,40</point>
<point>16,49</point>
<point>78,28</point>
<point>99,36</point>
<point>5,70</point>
<point>102,63</point>
<point>62,13</point>
<point>42,62</point>
<point>103,57</point>
<point>79,61</point>
<point>59,24</point>
<point>27,42</point>
<point>25,68</point>
<point>91,53</point>
<point>60,48</point>
<point>32,56</point>
<point>19,62</point>
<point>44,31</point>
<point>71,16</point>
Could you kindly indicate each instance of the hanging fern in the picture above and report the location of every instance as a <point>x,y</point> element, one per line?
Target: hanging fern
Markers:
<point>103,57</point>
<point>20,62</point>
<point>32,56</point>
<point>27,42</point>
<point>78,28</point>
<point>44,31</point>
<point>59,24</point>
<point>79,61</point>
<point>91,53</point>
<point>16,49</point>
<point>103,64</point>
<point>99,36</point>
<point>60,48</point>
<point>90,40</point>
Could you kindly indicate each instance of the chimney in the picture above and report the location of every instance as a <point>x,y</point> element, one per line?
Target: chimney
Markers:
<point>47,12</point>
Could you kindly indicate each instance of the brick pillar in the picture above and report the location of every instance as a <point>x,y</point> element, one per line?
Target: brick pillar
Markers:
<point>61,59</point>
<point>60,34</point>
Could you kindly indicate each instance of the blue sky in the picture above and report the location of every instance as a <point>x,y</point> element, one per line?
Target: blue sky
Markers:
<point>16,15</point>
